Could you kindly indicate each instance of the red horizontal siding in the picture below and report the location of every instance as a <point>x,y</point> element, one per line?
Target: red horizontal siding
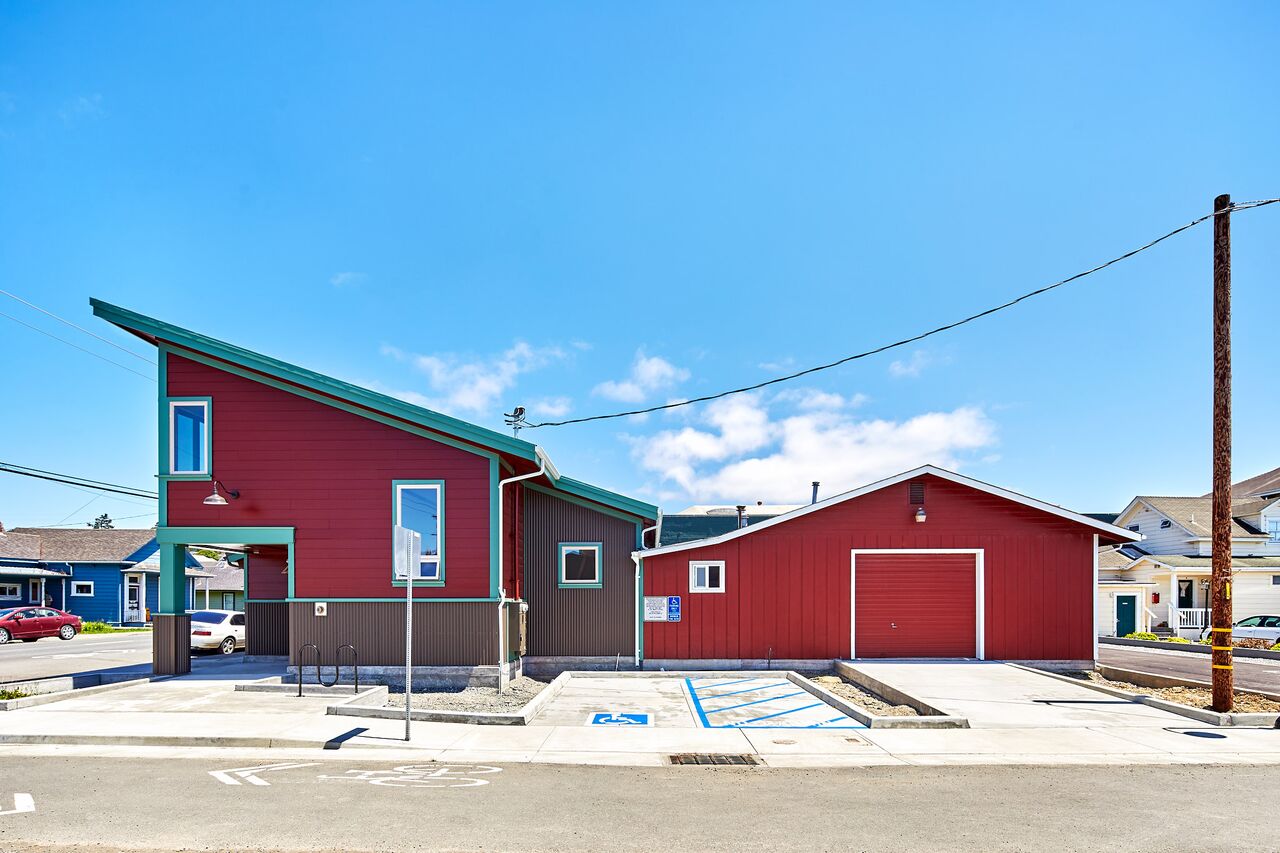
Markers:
<point>787,586</point>
<point>327,473</point>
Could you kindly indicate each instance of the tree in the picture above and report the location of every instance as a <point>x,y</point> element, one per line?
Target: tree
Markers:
<point>102,522</point>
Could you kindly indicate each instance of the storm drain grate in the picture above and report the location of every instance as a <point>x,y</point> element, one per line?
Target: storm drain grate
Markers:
<point>713,758</point>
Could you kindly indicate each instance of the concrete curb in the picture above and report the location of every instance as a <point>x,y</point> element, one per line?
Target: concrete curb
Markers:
<point>1153,679</point>
<point>872,721</point>
<point>898,697</point>
<point>164,740</point>
<point>480,718</point>
<point>1190,648</point>
<point>1213,718</point>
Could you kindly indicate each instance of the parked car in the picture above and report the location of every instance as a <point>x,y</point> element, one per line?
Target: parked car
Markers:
<point>1255,627</point>
<point>29,624</point>
<point>217,629</point>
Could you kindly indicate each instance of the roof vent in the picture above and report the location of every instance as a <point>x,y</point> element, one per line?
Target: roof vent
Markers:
<point>915,494</point>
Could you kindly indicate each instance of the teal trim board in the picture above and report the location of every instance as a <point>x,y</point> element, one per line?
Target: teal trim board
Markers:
<point>224,535</point>
<point>166,450</point>
<point>162,418</point>
<point>582,502</point>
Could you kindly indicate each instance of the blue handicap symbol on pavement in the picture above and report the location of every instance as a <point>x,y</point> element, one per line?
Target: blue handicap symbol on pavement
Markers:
<point>610,719</point>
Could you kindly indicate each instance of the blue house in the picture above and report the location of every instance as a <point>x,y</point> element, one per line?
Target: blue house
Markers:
<point>99,575</point>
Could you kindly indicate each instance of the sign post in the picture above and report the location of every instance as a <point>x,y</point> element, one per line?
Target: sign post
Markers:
<point>408,551</point>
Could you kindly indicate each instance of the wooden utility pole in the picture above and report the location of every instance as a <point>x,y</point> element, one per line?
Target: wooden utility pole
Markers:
<point>1220,583</point>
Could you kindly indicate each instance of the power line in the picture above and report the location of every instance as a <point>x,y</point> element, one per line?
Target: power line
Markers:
<point>77,346</point>
<point>74,326</point>
<point>905,341</point>
<point>78,523</point>
<point>80,482</point>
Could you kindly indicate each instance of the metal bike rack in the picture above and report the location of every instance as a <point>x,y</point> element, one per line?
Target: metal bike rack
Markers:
<point>337,667</point>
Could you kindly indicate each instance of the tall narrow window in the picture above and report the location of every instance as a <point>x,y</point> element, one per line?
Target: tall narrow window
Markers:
<point>420,507</point>
<point>580,564</point>
<point>189,437</point>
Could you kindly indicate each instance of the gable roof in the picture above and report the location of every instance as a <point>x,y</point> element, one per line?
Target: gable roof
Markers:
<point>19,546</point>
<point>1263,485</point>
<point>1117,533</point>
<point>222,575</point>
<point>1194,515</point>
<point>187,343</point>
<point>77,545</point>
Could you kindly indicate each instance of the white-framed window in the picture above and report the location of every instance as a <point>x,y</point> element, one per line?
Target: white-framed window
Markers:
<point>706,576</point>
<point>10,591</point>
<point>82,588</point>
<point>189,437</point>
<point>419,506</point>
<point>581,564</point>
<point>228,601</point>
<point>1273,529</point>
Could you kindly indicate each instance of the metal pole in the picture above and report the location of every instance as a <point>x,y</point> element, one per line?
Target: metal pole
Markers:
<point>408,650</point>
<point>1220,582</point>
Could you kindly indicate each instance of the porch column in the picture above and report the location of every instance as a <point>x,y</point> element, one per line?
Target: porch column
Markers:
<point>171,626</point>
<point>1173,603</point>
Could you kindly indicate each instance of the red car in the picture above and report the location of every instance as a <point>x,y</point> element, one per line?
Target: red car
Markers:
<point>31,623</point>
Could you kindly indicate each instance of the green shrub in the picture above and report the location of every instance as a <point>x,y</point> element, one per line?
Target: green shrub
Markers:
<point>95,628</point>
<point>1177,640</point>
<point>1141,635</point>
<point>6,693</point>
<point>1275,648</point>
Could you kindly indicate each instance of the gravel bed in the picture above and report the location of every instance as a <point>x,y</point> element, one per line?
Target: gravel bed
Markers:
<point>1194,697</point>
<point>864,699</point>
<point>484,699</point>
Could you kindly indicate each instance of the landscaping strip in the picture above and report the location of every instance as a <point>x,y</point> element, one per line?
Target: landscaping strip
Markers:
<point>350,708</point>
<point>1191,648</point>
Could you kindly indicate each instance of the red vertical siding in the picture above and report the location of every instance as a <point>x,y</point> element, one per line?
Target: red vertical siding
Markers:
<point>787,586</point>
<point>327,473</point>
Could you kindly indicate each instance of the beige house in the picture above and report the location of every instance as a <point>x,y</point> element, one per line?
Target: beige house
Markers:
<point>1162,584</point>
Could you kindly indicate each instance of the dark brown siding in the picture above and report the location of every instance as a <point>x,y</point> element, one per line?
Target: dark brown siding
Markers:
<point>170,644</point>
<point>267,628</point>
<point>577,622</point>
<point>444,633</point>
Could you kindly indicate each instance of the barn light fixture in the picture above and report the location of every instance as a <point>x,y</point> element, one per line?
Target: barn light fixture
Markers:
<point>920,516</point>
<point>216,499</point>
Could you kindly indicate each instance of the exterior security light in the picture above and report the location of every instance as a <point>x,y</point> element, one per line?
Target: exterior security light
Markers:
<point>216,499</point>
<point>920,516</point>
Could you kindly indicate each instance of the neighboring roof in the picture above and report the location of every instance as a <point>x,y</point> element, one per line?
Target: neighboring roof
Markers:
<point>1263,485</point>
<point>1193,514</point>
<point>1113,558</point>
<point>1107,517</point>
<point>28,572</point>
<point>1183,561</point>
<point>187,343</point>
<point>732,509</point>
<point>222,575</point>
<point>1115,533</point>
<point>684,527</point>
<point>81,545</point>
<point>19,546</point>
<point>1244,509</point>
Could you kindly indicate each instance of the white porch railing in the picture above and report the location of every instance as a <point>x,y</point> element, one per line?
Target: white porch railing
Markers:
<point>1191,617</point>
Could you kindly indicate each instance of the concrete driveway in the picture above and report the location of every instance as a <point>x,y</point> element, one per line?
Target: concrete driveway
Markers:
<point>996,695</point>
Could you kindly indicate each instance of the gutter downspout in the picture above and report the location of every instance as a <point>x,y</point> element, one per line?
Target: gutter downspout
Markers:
<point>639,561</point>
<point>502,592</point>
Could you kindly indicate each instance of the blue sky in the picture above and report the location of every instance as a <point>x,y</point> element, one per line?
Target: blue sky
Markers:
<point>578,207</point>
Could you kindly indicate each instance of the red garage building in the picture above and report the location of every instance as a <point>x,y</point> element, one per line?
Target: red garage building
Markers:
<point>926,564</point>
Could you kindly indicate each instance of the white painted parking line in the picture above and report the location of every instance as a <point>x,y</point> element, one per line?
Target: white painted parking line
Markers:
<point>249,774</point>
<point>22,803</point>
<point>421,776</point>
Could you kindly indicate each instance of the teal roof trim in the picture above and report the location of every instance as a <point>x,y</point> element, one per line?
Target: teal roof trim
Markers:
<point>580,489</point>
<point>309,379</point>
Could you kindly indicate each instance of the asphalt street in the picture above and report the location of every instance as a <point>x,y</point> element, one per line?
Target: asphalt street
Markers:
<point>128,804</point>
<point>1250,673</point>
<point>87,652</point>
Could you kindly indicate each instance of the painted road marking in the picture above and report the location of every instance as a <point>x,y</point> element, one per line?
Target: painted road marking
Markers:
<point>249,774</point>
<point>768,703</point>
<point>22,803</point>
<point>421,776</point>
<point>608,718</point>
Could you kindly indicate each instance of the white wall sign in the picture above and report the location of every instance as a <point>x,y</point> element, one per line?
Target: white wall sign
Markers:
<point>655,608</point>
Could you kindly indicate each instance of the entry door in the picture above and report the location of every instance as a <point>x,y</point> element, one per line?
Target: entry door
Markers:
<point>133,607</point>
<point>1126,614</point>
<point>1186,595</point>
<point>915,605</point>
<point>33,591</point>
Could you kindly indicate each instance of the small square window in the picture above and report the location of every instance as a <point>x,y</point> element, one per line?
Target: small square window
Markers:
<point>1133,527</point>
<point>580,564</point>
<point>1275,580</point>
<point>81,588</point>
<point>706,576</point>
<point>10,590</point>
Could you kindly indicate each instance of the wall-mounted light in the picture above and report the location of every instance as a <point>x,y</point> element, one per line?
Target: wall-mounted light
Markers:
<point>920,516</point>
<point>216,499</point>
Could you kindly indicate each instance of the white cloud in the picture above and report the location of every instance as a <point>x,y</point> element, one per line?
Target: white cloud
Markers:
<point>348,279</point>
<point>81,107</point>
<point>551,407</point>
<point>472,387</point>
<point>812,398</point>
<point>648,375</point>
<point>912,367</point>
<point>740,453</point>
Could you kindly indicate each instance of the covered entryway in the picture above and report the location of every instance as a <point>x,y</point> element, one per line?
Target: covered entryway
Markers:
<point>916,603</point>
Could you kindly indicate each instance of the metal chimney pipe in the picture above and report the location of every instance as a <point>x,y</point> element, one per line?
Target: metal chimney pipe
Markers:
<point>742,509</point>
<point>814,500</point>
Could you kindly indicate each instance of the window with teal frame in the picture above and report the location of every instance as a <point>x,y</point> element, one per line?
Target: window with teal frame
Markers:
<point>581,565</point>
<point>419,506</point>
<point>189,432</point>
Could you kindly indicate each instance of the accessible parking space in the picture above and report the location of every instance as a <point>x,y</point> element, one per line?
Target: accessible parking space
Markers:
<point>761,703</point>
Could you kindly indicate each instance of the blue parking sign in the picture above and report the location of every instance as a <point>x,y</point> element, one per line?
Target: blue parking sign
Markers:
<point>673,608</point>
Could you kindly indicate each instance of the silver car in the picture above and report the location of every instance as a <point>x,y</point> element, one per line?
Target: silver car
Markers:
<point>1255,627</point>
